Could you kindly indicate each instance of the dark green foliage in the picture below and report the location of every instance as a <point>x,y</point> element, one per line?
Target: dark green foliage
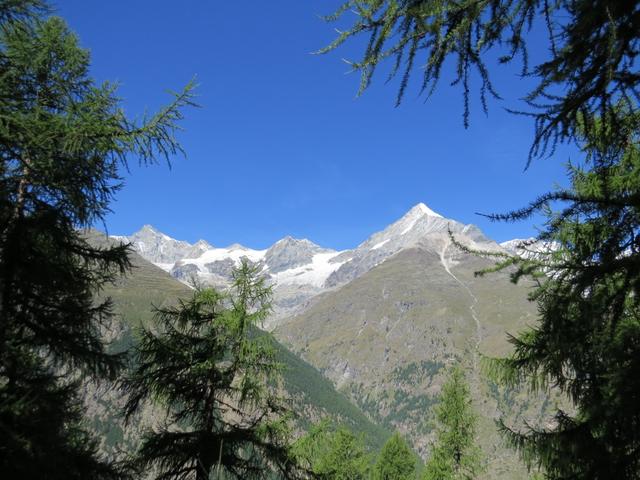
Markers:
<point>416,371</point>
<point>587,343</point>
<point>62,140</point>
<point>396,461</point>
<point>403,406</point>
<point>215,378</point>
<point>25,10</point>
<point>454,455</point>
<point>592,46</point>
<point>42,429</point>
<point>332,454</point>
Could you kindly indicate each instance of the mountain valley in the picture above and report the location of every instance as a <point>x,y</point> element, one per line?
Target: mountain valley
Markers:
<point>383,320</point>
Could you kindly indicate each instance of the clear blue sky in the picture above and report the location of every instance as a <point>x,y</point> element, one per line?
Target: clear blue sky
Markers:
<point>282,146</point>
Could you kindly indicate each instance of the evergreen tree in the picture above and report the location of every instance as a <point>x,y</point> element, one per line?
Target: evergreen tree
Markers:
<point>454,455</point>
<point>592,46</point>
<point>207,367</point>
<point>332,454</point>
<point>587,343</point>
<point>396,461</point>
<point>62,140</point>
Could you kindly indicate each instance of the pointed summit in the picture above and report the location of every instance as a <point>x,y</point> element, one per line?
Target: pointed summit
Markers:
<point>148,228</point>
<point>419,215</point>
<point>157,247</point>
<point>422,209</point>
<point>203,244</point>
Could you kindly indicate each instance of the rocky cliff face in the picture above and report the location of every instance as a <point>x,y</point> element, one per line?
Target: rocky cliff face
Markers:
<point>290,253</point>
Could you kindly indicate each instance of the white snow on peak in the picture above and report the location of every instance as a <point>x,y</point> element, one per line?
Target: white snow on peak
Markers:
<point>427,211</point>
<point>517,244</point>
<point>165,266</point>
<point>409,227</point>
<point>154,231</point>
<point>236,246</point>
<point>416,213</point>
<point>380,244</point>
<point>235,253</point>
<point>314,273</point>
<point>530,247</point>
<point>203,244</point>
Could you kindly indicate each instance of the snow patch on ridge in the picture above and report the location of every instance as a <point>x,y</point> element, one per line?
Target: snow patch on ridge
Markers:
<point>314,273</point>
<point>165,266</point>
<point>235,253</point>
<point>408,229</point>
<point>380,244</point>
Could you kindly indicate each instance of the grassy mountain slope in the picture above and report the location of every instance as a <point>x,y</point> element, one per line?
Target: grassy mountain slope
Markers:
<point>385,338</point>
<point>134,295</point>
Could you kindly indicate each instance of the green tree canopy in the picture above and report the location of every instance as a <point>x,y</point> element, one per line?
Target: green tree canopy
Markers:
<point>454,456</point>
<point>216,379</point>
<point>62,141</point>
<point>332,454</point>
<point>396,461</point>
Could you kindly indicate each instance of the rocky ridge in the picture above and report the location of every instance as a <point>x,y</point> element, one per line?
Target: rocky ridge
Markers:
<point>299,269</point>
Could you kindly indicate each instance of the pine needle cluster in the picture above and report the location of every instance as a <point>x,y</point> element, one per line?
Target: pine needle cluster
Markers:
<point>591,67</point>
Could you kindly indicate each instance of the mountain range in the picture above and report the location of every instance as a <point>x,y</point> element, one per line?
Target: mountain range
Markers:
<point>134,295</point>
<point>298,268</point>
<point>382,321</point>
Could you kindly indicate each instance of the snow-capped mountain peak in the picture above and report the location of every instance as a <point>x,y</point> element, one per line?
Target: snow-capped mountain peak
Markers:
<point>291,241</point>
<point>157,247</point>
<point>203,244</point>
<point>298,268</point>
<point>289,252</point>
<point>420,226</point>
<point>422,208</point>
<point>418,222</point>
<point>237,246</point>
